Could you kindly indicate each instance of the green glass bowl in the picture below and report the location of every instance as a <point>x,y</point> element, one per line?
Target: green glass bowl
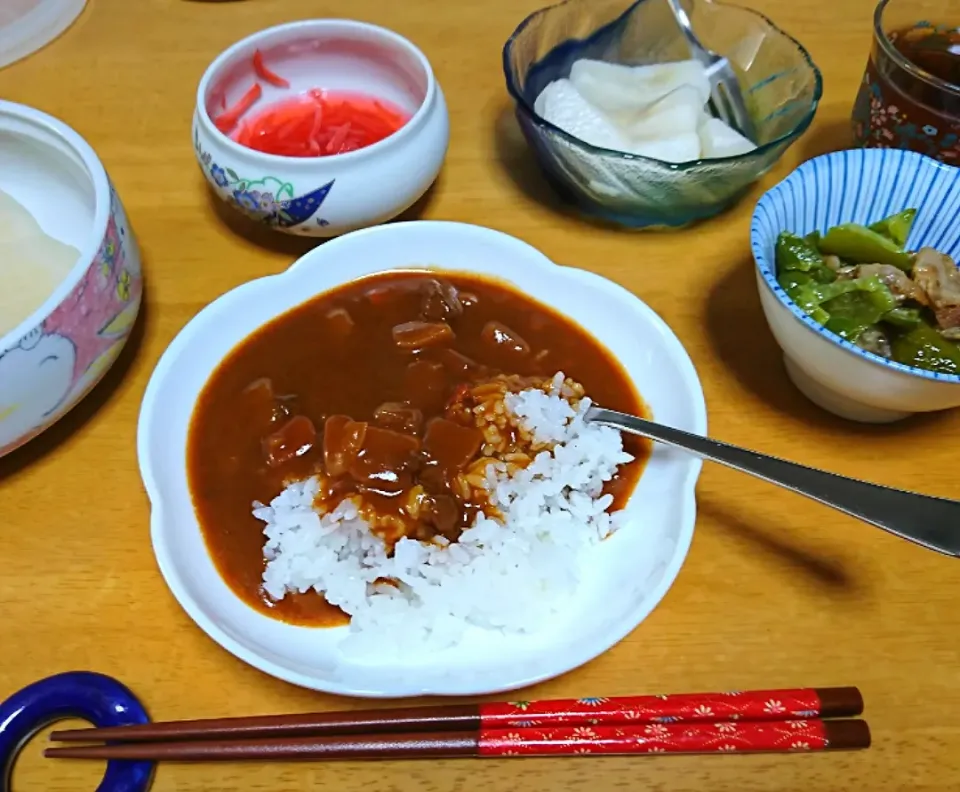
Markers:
<point>781,84</point>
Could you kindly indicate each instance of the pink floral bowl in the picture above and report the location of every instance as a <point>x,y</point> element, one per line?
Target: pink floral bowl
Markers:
<point>52,359</point>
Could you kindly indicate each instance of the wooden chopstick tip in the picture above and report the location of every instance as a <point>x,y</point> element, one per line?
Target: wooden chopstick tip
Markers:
<point>847,735</point>
<point>840,702</point>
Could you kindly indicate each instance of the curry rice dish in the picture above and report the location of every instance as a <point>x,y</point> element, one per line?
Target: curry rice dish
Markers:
<point>403,454</point>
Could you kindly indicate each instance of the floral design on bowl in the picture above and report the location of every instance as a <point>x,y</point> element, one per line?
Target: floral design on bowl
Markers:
<point>278,207</point>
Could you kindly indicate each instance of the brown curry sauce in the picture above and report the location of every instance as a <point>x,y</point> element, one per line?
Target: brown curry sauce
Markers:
<point>340,354</point>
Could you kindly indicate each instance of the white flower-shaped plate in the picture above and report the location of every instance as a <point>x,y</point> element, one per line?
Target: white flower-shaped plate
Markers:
<point>625,576</point>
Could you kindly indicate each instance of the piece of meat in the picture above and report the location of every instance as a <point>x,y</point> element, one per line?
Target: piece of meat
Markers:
<point>419,335</point>
<point>388,293</point>
<point>342,440</point>
<point>442,513</point>
<point>262,407</point>
<point>398,416</point>
<point>440,301</point>
<point>294,439</point>
<point>937,275</point>
<point>458,365</point>
<point>386,461</point>
<point>876,341</point>
<point>425,385</point>
<point>894,279</point>
<point>501,338</point>
<point>450,446</point>
<point>949,321</point>
<point>952,333</point>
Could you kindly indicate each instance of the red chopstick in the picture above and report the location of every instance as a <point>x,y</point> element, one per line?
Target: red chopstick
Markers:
<point>655,738</point>
<point>759,705</point>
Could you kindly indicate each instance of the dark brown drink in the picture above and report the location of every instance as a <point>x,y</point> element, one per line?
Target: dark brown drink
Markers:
<point>935,50</point>
<point>910,95</point>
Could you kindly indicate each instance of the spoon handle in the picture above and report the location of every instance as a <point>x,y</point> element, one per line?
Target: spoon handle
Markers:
<point>931,522</point>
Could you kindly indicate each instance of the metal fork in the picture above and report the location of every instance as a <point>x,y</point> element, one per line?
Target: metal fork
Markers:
<point>931,522</point>
<point>725,94</point>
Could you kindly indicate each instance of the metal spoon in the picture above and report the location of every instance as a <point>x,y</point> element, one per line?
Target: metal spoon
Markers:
<point>725,94</point>
<point>931,522</point>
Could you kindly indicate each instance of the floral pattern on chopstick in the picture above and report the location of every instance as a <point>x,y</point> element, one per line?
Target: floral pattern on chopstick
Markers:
<point>661,709</point>
<point>801,735</point>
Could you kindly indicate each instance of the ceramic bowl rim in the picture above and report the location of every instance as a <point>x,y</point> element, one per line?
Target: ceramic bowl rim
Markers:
<point>411,127</point>
<point>519,98</point>
<point>100,183</point>
<point>767,268</point>
<point>684,493</point>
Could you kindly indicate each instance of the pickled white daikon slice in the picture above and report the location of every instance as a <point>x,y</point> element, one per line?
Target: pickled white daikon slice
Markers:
<point>615,88</point>
<point>561,104</point>
<point>717,139</point>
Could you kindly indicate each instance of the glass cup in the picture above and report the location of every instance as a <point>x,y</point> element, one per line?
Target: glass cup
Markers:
<point>900,104</point>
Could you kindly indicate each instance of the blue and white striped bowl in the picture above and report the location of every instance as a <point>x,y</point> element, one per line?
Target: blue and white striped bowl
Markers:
<point>859,186</point>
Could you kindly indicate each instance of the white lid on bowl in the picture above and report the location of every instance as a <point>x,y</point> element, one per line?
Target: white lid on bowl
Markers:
<point>28,25</point>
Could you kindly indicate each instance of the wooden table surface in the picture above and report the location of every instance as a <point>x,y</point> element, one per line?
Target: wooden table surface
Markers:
<point>776,591</point>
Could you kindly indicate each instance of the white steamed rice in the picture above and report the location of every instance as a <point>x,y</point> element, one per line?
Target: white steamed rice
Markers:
<point>509,576</point>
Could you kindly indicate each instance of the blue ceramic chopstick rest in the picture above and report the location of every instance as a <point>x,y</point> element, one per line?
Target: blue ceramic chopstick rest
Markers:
<point>99,699</point>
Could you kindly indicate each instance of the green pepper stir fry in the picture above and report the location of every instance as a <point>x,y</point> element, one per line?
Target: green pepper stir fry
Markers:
<point>861,283</point>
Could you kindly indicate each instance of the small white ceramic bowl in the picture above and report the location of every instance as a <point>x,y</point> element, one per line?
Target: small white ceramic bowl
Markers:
<point>631,572</point>
<point>858,186</point>
<point>325,196</point>
<point>60,351</point>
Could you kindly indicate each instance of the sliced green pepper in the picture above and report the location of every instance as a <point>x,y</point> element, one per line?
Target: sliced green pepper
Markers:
<point>794,253</point>
<point>903,317</point>
<point>925,348</point>
<point>806,297</point>
<point>855,311</point>
<point>854,304</point>
<point>897,227</point>
<point>823,274</point>
<point>804,294</point>
<point>813,239</point>
<point>822,292</point>
<point>790,279</point>
<point>860,245</point>
<point>819,315</point>
<point>850,329</point>
<point>799,255</point>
